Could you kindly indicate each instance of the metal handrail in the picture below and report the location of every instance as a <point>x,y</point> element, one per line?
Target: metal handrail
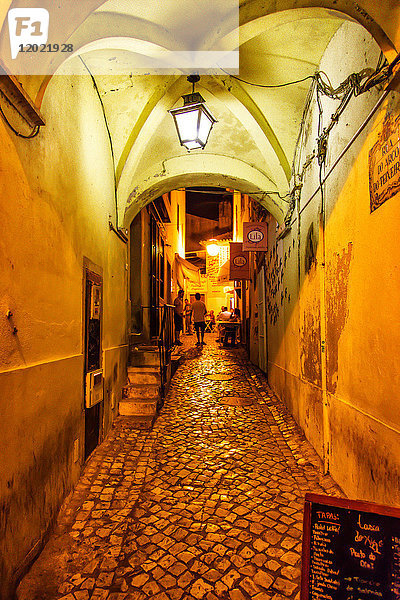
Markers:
<point>137,316</point>
<point>165,338</point>
<point>165,343</point>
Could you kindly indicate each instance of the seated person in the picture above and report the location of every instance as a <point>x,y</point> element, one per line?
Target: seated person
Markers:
<point>220,313</point>
<point>229,331</point>
<point>224,315</point>
<point>212,319</point>
<point>235,316</point>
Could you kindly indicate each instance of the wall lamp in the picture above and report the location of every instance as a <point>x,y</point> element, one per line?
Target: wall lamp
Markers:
<point>212,247</point>
<point>193,120</point>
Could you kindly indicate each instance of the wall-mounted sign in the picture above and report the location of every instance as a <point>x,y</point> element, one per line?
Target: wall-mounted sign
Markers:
<point>384,164</point>
<point>255,236</point>
<point>239,264</point>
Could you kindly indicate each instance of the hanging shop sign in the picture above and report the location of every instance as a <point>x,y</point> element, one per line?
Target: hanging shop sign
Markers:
<point>384,164</point>
<point>255,237</point>
<point>239,264</point>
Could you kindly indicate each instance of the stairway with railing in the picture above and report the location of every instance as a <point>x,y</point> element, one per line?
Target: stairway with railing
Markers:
<point>149,372</point>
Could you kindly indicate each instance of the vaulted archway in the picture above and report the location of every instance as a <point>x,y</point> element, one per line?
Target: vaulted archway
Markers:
<point>208,171</point>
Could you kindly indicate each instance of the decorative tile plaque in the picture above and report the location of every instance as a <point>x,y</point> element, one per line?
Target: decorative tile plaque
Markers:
<point>384,163</point>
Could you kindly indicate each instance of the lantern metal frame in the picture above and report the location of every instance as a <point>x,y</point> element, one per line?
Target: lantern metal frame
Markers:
<point>193,102</point>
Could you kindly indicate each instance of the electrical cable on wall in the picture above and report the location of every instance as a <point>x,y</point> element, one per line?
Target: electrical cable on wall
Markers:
<point>354,85</point>
<point>113,228</point>
<point>242,192</point>
<point>382,72</point>
<point>260,85</point>
<point>306,109</point>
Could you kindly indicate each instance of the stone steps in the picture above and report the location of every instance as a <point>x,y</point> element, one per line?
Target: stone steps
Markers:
<point>144,358</point>
<point>143,375</point>
<point>131,408</point>
<point>142,391</point>
<point>140,422</point>
<point>140,400</point>
<point>141,397</point>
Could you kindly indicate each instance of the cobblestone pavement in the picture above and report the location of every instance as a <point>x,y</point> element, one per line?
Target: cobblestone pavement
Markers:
<point>206,505</point>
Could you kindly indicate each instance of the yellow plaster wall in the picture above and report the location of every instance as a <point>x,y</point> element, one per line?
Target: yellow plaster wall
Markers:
<point>176,232</point>
<point>354,288</point>
<point>57,193</point>
<point>363,273</point>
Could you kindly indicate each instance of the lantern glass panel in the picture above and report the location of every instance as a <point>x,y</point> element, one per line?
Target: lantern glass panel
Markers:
<point>204,128</point>
<point>187,125</point>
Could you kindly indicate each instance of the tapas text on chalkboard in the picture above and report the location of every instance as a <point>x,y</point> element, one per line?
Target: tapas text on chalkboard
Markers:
<point>351,550</point>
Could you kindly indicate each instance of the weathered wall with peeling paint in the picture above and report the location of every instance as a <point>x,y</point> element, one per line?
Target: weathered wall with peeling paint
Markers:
<point>352,286</point>
<point>56,197</point>
<point>337,309</point>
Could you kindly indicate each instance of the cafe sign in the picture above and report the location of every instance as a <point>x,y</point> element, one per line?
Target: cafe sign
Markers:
<point>384,164</point>
<point>239,265</point>
<point>255,237</point>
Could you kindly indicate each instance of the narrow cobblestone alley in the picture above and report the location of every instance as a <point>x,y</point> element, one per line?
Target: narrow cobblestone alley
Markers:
<point>206,505</point>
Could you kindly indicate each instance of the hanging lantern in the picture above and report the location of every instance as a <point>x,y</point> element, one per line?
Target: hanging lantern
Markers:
<point>193,120</point>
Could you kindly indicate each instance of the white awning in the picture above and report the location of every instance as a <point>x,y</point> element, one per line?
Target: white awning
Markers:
<point>223,274</point>
<point>187,270</point>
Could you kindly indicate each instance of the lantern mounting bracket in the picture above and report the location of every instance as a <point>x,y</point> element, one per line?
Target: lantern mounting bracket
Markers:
<point>193,79</point>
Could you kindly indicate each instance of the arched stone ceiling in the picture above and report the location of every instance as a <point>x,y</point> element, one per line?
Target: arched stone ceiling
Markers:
<point>203,170</point>
<point>381,18</point>
<point>279,42</point>
<point>257,126</point>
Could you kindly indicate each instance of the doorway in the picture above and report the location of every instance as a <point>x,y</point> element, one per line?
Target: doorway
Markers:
<point>93,364</point>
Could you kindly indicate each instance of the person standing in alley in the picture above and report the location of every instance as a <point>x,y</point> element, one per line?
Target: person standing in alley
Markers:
<point>199,312</point>
<point>188,317</point>
<point>178,317</point>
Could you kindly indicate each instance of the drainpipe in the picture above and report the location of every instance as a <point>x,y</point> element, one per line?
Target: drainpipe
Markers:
<point>322,273</point>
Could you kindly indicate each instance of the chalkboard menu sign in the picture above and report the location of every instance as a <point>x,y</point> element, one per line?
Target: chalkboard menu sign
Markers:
<point>351,550</point>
